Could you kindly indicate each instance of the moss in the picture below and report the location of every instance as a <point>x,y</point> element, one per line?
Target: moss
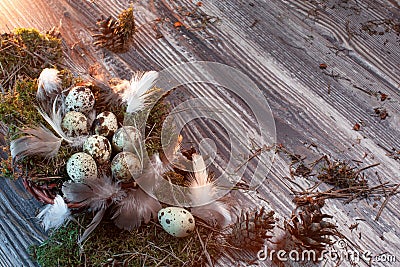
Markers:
<point>24,53</point>
<point>18,111</point>
<point>127,23</point>
<point>109,246</point>
<point>154,127</point>
<point>60,249</point>
<point>17,106</point>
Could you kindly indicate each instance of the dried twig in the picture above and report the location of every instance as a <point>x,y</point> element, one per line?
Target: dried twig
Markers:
<point>393,192</point>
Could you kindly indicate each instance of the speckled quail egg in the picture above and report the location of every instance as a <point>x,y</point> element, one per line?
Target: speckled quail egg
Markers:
<point>125,167</point>
<point>176,221</point>
<point>126,138</point>
<point>105,124</point>
<point>80,98</point>
<point>74,124</point>
<point>98,147</point>
<point>81,166</point>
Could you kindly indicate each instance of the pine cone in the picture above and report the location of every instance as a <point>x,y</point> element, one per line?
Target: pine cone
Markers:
<point>116,35</point>
<point>309,229</point>
<point>251,229</point>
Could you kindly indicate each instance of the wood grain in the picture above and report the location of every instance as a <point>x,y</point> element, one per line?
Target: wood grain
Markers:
<point>279,45</point>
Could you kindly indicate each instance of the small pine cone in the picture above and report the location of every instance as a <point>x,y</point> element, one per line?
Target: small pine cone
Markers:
<point>108,35</point>
<point>251,229</point>
<point>116,35</point>
<point>309,229</point>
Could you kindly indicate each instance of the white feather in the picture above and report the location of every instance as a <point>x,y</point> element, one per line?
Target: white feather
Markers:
<point>49,83</point>
<point>202,193</point>
<point>54,215</point>
<point>55,120</point>
<point>201,188</point>
<point>136,95</point>
<point>158,165</point>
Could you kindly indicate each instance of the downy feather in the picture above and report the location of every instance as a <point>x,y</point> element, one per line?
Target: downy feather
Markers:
<point>136,95</point>
<point>54,215</point>
<point>201,188</point>
<point>40,141</point>
<point>117,88</point>
<point>138,206</point>
<point>202,191</point>
<point>49,84</point>
<point>96,194</point>
<point>158,166</point>
<point>135,209</point>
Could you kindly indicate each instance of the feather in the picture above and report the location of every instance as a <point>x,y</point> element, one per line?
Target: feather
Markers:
<point>97,194</point>
<point>55,121</point>
<point>49,84</point>
<point>39,141</point>
<point>120,87</point>
<point>92,226</point>
<point>91,116</point>
<point>136,95</point>
<point>53,216</point>
<point>215,214</point>
<point>202,193</point>
<point>159,167</point>
<point>201,188</point>
<point>136,208</point>
<point>112,96</point>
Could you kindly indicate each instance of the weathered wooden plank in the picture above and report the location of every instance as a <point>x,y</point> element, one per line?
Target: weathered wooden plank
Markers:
<point>279,44</point>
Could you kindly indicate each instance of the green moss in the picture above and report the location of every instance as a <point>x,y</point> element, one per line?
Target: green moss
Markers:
<point>60,249</point>
<point>154,127</point>
<point>109,246</point>
<point>18,111</point>
<point>24,53</point>
<point>17,106</point>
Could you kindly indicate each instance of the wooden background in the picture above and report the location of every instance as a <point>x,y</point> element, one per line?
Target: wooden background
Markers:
<point>279,45</point>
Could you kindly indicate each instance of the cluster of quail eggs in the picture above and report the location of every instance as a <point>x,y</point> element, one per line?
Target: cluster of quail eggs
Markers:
<point>105,141</point>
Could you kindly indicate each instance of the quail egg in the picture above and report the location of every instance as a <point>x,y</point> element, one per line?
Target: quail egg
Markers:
<point>98,147</point>
<point>176,221</point>
<point>74,123</point>
<point>80,98</point>
<point>105,124</point>
<point>125,167</point>
<point>126,138</point>
<point>81,166</point>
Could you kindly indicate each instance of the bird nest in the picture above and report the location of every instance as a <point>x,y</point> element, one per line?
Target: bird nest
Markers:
<point>58,134</point>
